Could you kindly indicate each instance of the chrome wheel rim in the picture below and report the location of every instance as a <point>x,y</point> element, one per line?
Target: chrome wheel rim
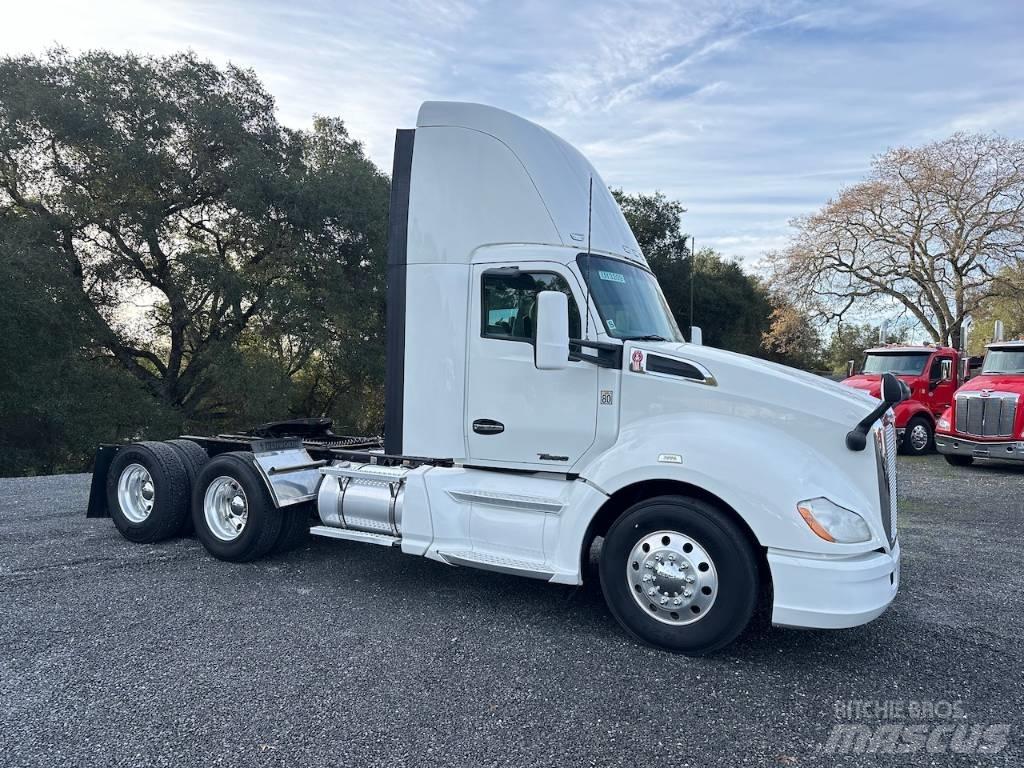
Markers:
<point>225,508</point>
<point>919,437</point>
<point>672,578</point>
<point>135,492</point>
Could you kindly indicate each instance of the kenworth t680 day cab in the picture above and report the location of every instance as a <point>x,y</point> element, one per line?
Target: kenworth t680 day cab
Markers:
<point>931,374</point>
<point>539,396</point>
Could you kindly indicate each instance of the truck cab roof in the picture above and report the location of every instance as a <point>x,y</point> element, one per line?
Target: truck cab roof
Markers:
<point>907,349</point>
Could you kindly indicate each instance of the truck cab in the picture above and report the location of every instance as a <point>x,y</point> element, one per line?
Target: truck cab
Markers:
<point>540,398</point>
<point>985,419</point>
<point>932,374</point>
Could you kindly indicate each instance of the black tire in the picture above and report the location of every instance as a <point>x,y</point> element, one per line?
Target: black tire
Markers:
<point>263,521</point>
<point>957,460</point>
<point>169,496</point>
<point>734,563</point>
<point>194,458</point>
<point>908,446</point>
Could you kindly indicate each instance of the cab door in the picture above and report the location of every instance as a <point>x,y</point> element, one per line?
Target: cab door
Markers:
<point>941,383</point>
<point>516,415</point>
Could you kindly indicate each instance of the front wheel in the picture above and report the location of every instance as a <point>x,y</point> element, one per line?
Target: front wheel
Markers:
<point>957,460</point>
<point>679,574</point>
<point>919,437</point>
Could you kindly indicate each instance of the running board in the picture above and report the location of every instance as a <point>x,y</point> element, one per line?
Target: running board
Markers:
<point>350,535</point>
<point>497,564</point>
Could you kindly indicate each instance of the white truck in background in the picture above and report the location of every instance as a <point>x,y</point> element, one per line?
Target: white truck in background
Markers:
<point>540,396</point>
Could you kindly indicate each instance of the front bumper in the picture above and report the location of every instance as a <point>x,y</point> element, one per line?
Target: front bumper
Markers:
<point>833,592</point>
<point>951,445</point>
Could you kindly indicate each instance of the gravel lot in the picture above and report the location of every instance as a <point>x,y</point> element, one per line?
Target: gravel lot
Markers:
<point>346,654</point>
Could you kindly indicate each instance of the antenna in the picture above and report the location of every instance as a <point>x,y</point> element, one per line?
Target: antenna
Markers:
<point>590,212</point>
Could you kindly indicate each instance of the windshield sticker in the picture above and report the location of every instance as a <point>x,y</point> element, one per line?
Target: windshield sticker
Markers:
<point>612,277</point>
<point>611,324</point>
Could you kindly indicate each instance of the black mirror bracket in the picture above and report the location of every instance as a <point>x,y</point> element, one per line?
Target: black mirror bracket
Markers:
<point>857,438</point>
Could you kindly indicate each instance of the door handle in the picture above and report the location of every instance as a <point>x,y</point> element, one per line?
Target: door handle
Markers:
<point>488,427</point>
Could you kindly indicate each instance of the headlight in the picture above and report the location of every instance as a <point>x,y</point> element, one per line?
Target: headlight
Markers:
<point>832,522</point>
<point>944,420</point>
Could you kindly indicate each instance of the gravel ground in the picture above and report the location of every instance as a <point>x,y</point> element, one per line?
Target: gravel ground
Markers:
<point>346,654</point>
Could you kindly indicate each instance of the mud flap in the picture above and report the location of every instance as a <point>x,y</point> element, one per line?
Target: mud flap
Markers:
<point>98,490</point>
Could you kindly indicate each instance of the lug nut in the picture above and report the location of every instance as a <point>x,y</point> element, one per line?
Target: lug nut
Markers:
<point>648,565</point>
<point>689,579</point>
<point>652,592</point>
<point>647,577</point>
<point>672,558</point>
<point>677,601</point>
<point>663,600</point>
<point>687,593</point>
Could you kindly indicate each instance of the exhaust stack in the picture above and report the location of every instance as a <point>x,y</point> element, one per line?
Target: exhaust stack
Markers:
<point>997,331</point>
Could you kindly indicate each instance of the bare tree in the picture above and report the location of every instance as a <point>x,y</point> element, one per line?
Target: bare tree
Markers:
<point>928,230</point>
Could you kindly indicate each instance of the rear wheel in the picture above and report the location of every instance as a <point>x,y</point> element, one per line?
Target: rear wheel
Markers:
<point>679,574</point>
<point>147,492</point>
<point>233,514</point>
<point>194,458</point>
<point>919,437</point>
<point>957,460</point>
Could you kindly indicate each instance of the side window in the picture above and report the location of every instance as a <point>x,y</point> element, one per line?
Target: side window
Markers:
<point>509,300</point>
<point>935,374</point>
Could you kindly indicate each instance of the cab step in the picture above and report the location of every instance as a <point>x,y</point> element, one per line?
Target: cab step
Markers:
<point>350,535</point>
<point>488,562</point>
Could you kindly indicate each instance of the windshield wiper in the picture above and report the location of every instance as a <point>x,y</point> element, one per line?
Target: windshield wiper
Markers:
<point>645,337</point>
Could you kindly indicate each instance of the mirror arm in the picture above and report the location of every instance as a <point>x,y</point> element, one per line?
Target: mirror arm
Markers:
<point>608,355</point>
<point>857,438</point>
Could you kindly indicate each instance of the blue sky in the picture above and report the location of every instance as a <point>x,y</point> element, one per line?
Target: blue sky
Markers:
<point>749,112</point>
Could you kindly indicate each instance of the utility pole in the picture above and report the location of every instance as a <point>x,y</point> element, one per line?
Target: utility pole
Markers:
<point>693,254</point>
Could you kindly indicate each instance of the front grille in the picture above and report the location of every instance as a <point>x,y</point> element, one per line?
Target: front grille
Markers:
<point>885,444</point>
<point>986,413</point>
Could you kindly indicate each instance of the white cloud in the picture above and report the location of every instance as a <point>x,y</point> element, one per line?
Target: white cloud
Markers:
<point>749,111</point>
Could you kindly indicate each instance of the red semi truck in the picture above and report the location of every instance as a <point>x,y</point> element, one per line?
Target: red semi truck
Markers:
<point>985,419</point>
<point>931,373</point>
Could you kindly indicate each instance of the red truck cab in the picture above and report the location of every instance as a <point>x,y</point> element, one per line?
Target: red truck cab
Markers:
<point>931,373</point>
<point>985,419</point>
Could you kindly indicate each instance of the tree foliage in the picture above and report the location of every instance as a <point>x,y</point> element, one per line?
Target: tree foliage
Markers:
<point>198,236</point>
<point>928,231</point>
<point>791,338</point>
<point>732,307</point>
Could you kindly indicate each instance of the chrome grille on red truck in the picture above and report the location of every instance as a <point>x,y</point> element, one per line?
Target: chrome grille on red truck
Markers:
<point>885,450</point>
<point>986,413</point>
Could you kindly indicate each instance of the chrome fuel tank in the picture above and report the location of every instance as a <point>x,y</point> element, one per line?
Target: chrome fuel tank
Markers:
<point>362,497</point>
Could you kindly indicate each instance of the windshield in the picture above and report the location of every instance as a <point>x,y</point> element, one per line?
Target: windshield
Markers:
<point>1004,361</point>
<point>902,365</point>
<point>628,299</point>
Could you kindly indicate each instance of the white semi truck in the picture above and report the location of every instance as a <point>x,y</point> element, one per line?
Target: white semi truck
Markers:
<point>539,396</point>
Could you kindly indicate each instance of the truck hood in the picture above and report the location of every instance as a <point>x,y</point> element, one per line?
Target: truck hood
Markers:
<point>1003,382</point>
<point>759,380</point>
<point>872,382</point>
